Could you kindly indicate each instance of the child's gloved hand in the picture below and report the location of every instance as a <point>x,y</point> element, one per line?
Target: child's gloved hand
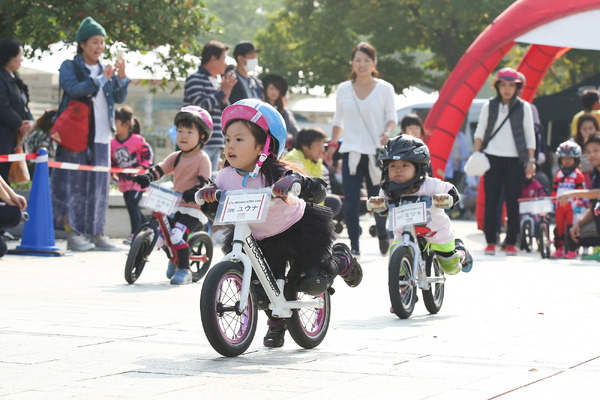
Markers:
<point>283,186</point>
<point>442,200</point>
<point>377,204</point>
<point>207,194</point>
<point>188,195</point>
<point>143,180</point>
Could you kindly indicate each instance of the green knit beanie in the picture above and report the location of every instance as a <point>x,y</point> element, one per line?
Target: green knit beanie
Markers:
<point>89,28</point>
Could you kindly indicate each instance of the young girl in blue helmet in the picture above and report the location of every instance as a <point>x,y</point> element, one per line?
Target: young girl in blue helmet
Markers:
<point>405,162</point>
<point>191,168</point>
<point>299,230</point>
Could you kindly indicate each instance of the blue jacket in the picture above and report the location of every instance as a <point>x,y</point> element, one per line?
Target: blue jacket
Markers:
<point>13,110</point>
<point>114,89</point>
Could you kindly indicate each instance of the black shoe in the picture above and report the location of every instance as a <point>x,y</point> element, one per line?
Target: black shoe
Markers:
<point>384,244</point>
<point>274,337</point>
<point>352,273</point>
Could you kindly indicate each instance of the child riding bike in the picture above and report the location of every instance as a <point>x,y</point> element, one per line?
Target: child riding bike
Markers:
<point>567,178</point>
<point>406,161</point>
<point>190,166</point>
<point>296,230</point>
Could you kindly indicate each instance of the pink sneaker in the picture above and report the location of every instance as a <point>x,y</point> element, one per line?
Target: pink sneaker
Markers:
<point>490,250</point>
<point>511,251</point>
<point>571,255</point>
<point>559,253</point>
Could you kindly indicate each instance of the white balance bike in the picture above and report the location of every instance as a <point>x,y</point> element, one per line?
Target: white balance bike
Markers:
<point>229,302</point>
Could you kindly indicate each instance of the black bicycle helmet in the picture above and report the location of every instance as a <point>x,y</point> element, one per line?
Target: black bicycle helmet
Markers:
<point>406,148</point>
<point>569,149</point>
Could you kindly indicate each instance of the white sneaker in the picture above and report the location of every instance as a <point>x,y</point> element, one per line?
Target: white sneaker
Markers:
<point>102,244</point>
<point>77,242</point>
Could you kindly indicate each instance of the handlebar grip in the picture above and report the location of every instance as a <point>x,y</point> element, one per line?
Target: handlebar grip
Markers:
<point>295,189</point>
<point>199,200</point>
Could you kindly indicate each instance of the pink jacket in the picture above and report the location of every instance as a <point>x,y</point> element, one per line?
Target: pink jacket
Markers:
<point>132,153</point>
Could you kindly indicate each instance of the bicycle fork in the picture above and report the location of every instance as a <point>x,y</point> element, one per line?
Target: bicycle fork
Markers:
<point>419,275</point>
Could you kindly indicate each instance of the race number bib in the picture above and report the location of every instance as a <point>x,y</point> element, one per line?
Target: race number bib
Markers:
<point>408,214</point>
<point>161,199</point>
<point>535,207</point>
<point>242,208</point>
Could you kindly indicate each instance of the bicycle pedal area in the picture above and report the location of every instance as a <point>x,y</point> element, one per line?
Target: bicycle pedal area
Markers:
<point>503,328</point>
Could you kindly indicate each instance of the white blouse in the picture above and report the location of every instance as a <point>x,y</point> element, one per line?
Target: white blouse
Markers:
<point>503,143</point>
<point>363,121</point>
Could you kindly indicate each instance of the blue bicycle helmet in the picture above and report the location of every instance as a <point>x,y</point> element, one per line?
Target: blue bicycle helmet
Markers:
<point>263,115</point>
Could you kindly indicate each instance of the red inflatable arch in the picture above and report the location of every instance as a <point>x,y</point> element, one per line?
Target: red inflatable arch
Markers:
<point>525,21</point>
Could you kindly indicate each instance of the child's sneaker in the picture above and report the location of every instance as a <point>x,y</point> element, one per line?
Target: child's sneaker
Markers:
<point>559,253</point>
<point>182,277</point>
<point>490,250</point>
<point>570,255</point>
<point>275,337</point>
<point>351,272</point>
<point>171,269</point>
<point>466,259</point>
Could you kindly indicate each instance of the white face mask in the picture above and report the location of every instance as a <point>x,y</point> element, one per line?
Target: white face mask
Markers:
<point>251,64</point>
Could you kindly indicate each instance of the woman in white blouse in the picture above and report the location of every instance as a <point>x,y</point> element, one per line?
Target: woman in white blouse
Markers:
<point>505,134</point>
<point>365,117</point>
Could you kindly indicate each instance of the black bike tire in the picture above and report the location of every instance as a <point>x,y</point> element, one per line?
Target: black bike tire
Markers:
<point>204,240</point>
<point>436,290</point>
<point>140,249</point>
<point>296,326</point>
<point>399,255</point>
<point>211,310</point>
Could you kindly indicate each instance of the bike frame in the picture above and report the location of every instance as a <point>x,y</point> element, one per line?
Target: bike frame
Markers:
<point>165,227</point>
<point>419,276</point>
<point>246,250</point>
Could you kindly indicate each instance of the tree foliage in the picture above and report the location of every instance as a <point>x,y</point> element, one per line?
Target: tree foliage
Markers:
<point>418,41</point>
<point>240,20</point>
<point>141,24</point>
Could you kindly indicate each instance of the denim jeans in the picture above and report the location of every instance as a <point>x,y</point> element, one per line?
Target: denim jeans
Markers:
<point>352,186</point>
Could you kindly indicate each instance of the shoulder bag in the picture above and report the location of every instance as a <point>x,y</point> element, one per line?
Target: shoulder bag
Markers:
<point>18,172</point>
<point>72,126</point>
<point>478,164</point>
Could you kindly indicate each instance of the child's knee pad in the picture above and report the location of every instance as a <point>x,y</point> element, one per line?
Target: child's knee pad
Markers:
<point>450,265</point>
<point>177,234</point>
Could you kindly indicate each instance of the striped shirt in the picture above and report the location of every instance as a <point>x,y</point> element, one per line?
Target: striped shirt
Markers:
<point>200,91</point>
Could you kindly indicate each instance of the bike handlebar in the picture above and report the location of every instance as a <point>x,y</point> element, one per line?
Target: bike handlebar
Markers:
<point>294,190</point>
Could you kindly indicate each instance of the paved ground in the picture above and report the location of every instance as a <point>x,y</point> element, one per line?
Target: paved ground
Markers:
<point>514,328</point>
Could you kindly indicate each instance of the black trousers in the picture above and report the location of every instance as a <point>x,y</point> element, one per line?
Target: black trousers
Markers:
<point>505,173</point>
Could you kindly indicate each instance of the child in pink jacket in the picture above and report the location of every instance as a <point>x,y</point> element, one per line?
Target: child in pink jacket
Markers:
<point>129,150</point>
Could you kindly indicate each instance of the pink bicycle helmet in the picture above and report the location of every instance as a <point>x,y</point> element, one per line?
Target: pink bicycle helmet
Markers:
<point>263,115</point>
<point>200,117</point>
<point>508,75</point>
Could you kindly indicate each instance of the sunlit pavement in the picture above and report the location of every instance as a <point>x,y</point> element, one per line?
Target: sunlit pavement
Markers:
<point>514,328</point>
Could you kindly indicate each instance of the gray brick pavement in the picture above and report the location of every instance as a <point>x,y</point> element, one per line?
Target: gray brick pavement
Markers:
<point>514,328</point>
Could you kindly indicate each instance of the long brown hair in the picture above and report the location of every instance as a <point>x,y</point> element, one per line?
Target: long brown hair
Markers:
<point>370,51</point>
<point>580,121</point>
